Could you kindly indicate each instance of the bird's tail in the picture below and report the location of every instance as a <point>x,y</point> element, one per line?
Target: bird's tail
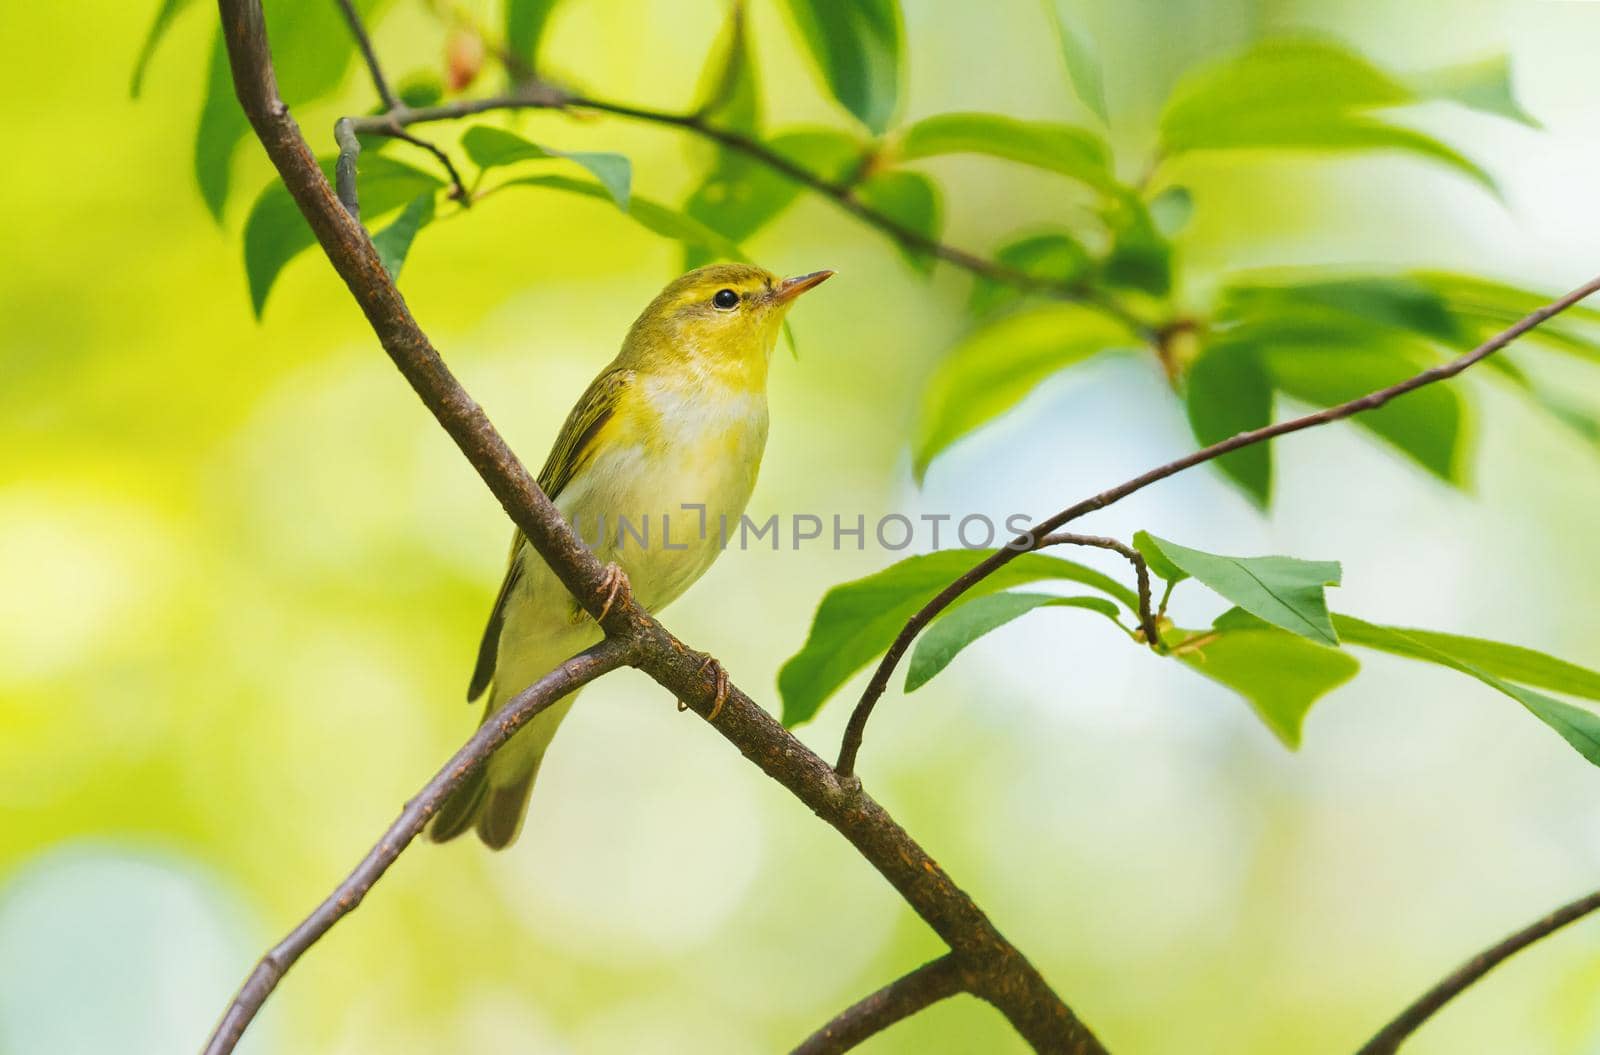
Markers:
<point>495,798</point>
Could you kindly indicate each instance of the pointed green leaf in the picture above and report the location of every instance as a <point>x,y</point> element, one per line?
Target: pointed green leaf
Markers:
<point>998,364</point>
<point>1513,662</point>
<point>1399,301</point>
<point>1155,560</point>
<point>858,620</point>
<point>1229,392</point>
<point>1076,152</point>
<point>1476,658</point>
<point>169,10</point>
<point>525,23</point>
<point>275,232</point>
<point>492,147</point>
<point>740,195</point>
<point>1297,95</point>
<point>1050,256</point>
<point>1484,85</point>
<point>311,48</point>
<point>1077,52</point>
<point>957,629</point>
<point>858,47</point>
<point>394,241</point>
<point>1285,591</point>
<point>1486,307</point>
<point>1280,674</point>
<point>728,93</point>
<point>652,216</point>
<point>1428,425</point>
<point>911,200</point>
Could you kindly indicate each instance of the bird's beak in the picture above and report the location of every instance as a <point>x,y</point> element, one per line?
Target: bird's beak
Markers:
<point>791,288</point>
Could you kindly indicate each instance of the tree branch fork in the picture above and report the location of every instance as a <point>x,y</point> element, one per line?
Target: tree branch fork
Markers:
<point>981,961</point>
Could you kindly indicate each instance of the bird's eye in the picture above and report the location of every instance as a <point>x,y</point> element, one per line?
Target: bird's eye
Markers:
<point>726,299</point>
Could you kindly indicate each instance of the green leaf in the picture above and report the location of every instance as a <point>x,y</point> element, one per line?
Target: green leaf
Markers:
<point>652,216</point>
<point>311,47</point>
<point>1512,662</point>
<point>394,241</point>
<point>957,629</point>
<point>859,49</point>
<point>740,195</point>
<point>998,364</point>
<point>1296,95</point>
<point>221,129</point>
<point>1170,211</point>
<point>1076,152</point>
<point>1484,85</point>
<point>728,94</point>
<point>275,232</point>
<point>492,147</point>
<point>1427,425</point>
<point>1229,392</point>
<point>1050,256</point>
<point>525,22</point>
<point>1487,307</point>
<point>1140,257</point>
<point>169,10</point>
<point>420,89</point>
<point>1402,302</point>
<point>1280,674</point>
<point>1285,591</point>
<point>1475,658</point>
<point>1157,561</point>
<point>857,621</point>
<point>911,200</point>
<point>1083,66</point>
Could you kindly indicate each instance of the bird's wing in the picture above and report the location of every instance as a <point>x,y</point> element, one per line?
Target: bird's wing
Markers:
<point>573,449</point>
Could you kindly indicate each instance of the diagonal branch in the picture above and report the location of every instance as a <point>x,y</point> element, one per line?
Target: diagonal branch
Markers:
<point>570,676</point>
<point>537,95</point>
<point>901,998</point>
<point>1034,537</point>
<point>358,29</point>
<point>1388,1039</point>
<point>996,970</point>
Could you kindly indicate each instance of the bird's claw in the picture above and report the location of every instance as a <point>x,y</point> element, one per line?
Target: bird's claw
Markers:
<point>720,676</point>
<point>614,584</point>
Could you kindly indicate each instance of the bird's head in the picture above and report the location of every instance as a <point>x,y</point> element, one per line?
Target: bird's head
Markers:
<point>722,318</point>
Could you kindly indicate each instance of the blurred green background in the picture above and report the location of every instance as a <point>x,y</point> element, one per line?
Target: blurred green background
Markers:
<point>242,576</point>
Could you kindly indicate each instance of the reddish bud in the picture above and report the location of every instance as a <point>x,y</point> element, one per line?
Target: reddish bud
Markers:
<point>463,59</point>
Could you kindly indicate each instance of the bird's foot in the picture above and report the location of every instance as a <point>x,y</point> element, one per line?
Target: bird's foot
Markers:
<point>613,584</point>
<point>719,676</point>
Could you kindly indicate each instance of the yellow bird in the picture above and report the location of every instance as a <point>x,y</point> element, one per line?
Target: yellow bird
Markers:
<point>662,447</point>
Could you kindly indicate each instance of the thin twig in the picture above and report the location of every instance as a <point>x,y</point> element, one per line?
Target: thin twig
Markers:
<point>1000,973</point>
<point>541,96</point>
<point>345,132</point>
<point>1388,1039</point>
<point>901,998</point>
<point>565,679</point>
<point>358,30</point>
<point>1141,572</point>
<point>1031,539</point>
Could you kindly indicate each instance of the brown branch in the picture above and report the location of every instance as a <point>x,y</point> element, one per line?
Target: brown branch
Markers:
<point>1388,1039</point>
<point>901,998</point>
<point>573,674</point>
<point>1141,572</point>
<point>542,96</point>
<point>1032,539</point>
<point>996,970</point>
